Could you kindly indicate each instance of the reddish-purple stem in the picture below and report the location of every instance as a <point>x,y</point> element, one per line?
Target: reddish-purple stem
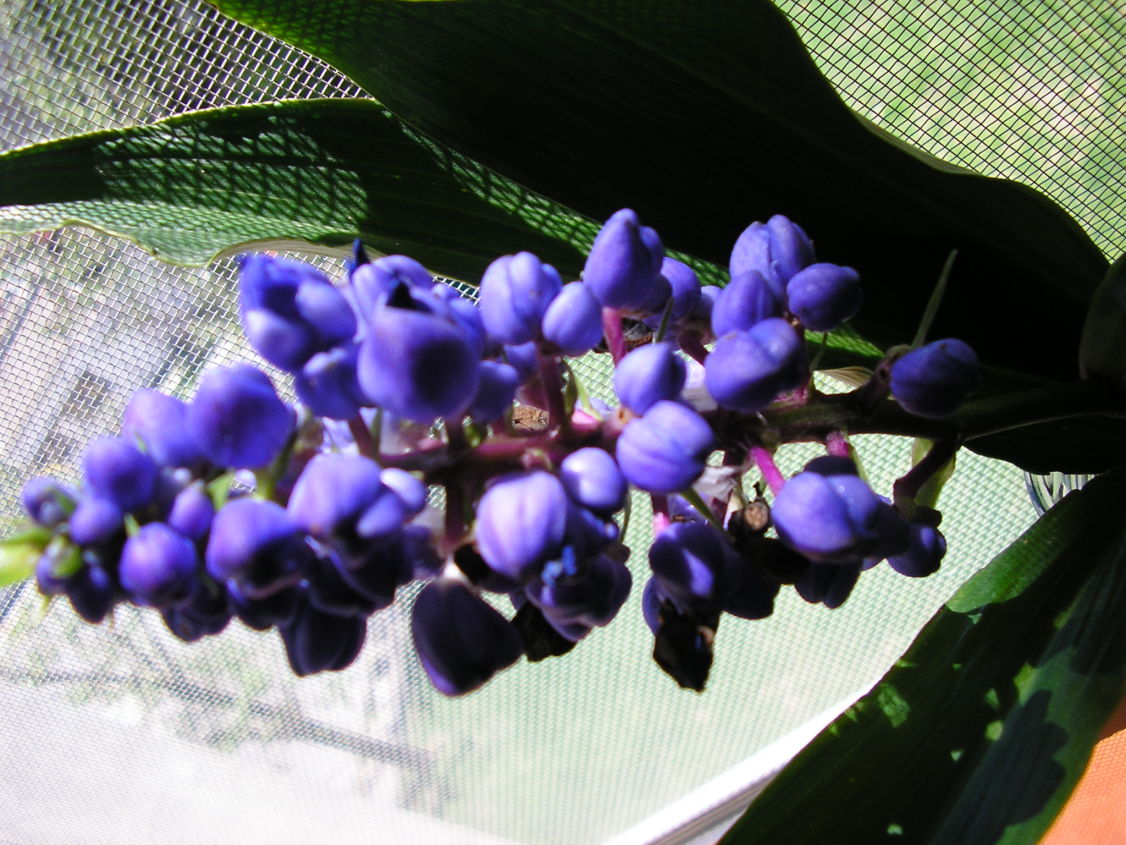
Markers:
<point>362,435</point>
<point>764,460</point>
<point>615,337</point>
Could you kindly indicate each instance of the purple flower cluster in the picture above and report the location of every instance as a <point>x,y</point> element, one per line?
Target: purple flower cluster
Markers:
<point>407,388</point>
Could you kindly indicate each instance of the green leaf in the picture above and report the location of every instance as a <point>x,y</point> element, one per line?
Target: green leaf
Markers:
<point>981,730</point>
<point>321,171</point>
<point>19,554</point>
<point>704,117</point>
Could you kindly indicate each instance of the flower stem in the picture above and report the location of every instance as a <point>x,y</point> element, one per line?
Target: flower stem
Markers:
<point>612,329</point>
<point>764,460</point>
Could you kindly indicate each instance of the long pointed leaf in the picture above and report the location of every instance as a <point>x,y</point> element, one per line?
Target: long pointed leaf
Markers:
<point>705,116</point>
<point>322,171</point>
<point>980,731</point>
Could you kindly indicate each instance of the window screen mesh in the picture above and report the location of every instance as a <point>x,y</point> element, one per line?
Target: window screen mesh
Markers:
<point>120,733</point>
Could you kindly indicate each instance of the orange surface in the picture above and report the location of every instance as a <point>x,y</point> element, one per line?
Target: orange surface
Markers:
<point>1096,812</point>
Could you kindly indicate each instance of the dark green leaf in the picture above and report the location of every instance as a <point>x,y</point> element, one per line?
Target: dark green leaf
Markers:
<point>704,117</point>
<point>982,728</point>
<point>322,171</point>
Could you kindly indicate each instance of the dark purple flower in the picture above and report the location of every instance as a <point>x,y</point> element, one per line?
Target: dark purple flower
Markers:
<point>160,423</point>
<point>934,380</point>
<point>158,566</point>
<point>829,519</point>
<point>823,296</point>
<point>191,513</point>
<point>119,472</point>
<point>256,544</point>
<point>649,374</point>
<point>238,418</point>
<point>573,320</point>
<point>747,370</point>
<point>497,389</point>
<point>744,303</point>
<point>92,593</point>
<point>290,310</point>
<point>316,641</point>
<point>46,501</point>
<point>515,293</point>
<point>684,290</point>
<point>693,563</point>
<point>460,639</point>
<point>624,262</point>
<point>417,360</point>
<point>925,549</point>
<point>777,249</point>
<point>664,451</point>
<point>374,281</point>
<point>327,384</point>
<point>590,598</point>
<point>95,521</point>
<point>345,497</point>
<point>521,522</point>
<point>592,478</point>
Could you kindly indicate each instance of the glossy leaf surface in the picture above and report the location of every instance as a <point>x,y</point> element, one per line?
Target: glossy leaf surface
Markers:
<point>321,171</point>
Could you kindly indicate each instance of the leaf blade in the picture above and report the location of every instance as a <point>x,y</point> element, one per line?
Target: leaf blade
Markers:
<point>981,730</point>
<point>703,118</point>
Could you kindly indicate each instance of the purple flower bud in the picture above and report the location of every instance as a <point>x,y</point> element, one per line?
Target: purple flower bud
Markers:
<point>417,360</point>
<point>238,418</point>
<point>925,550</point>
<point>498,383</point>
<point>327,384</point>
<point>373,282</point>
<point>316,641</point>
<point>465,313</point>
<point>120,472</point>
<point>753,594</point>
<point>290,311</point>
<point>745,302</point>
<point>664,451</point>
<point>461,640</point>
<point>95,521</point>
<point>934,380</point>
<point>191,512</point>
<point>829,584</point>
<point>684,289</point>
<point>830,519</point>
<point>592,478</point>
<point>328,590</point>
<point>573,320</point>
<point>624,262</point>
<point>344,497</point>
<point>263,613</point>
<point>649,374</point>
<point>692,561</point>
<point>590,598</point>
<point>747,370</point>
<point>92,593</point>
<point>205,612</point>
<point>523,357</point>
<point>823,296</point>
<point>158,566</point>
<point>159,422</point>
<point>777,249</point>
<point>521,522</point>
<point>46,501</point>
<point>515,293</point>
<point>256,544</point>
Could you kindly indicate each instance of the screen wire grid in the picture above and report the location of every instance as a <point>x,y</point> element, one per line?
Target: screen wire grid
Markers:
<point>122,733</point>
